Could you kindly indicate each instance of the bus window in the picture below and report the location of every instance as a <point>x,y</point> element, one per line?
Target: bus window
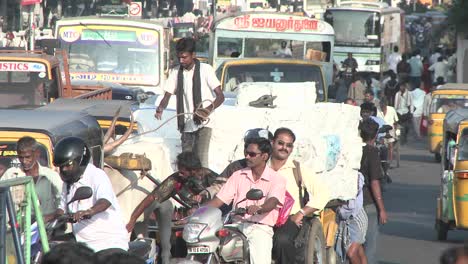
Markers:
<point>274,48</point>
<point>318,51</point>
<point>228,47</point>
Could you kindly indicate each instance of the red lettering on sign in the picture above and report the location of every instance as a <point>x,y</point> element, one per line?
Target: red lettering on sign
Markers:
<point>14,66</point>
<point>277,24</point>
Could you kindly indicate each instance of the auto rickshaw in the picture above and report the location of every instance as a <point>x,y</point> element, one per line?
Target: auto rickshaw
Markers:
<point>47,127</point>
<point>448,97</point>
<point>452,203</point>
<point>233,72</point>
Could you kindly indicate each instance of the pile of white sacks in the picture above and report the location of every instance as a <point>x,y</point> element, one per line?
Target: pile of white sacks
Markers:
<point>327,133</point>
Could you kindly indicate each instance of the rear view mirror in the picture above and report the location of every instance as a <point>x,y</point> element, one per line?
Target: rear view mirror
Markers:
<point>82,193</point>
<point>254,194</point>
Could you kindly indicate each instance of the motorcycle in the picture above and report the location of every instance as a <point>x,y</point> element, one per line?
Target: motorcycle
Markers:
<point>382,145</point>
<point>212,238</point>
<point>143,247</point>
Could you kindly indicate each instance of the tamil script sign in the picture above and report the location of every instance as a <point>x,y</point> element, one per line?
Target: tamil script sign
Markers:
<point>276,23</point>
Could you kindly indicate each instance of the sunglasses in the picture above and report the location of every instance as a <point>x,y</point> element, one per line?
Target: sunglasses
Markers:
<point>284,144</point>
<point>251,154</point>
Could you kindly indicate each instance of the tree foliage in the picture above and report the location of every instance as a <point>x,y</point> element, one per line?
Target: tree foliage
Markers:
<point>408,8</point>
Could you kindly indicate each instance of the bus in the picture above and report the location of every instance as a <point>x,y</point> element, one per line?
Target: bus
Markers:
<point>262,34</point>
<point>131,52</point>
<point>368,30</point>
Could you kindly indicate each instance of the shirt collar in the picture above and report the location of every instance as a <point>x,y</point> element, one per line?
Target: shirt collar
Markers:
<point>288,165</point>
<point>265,175</point>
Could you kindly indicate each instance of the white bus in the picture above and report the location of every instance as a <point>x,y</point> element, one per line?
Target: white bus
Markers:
<point>132,52</point>
<point>368,30</point>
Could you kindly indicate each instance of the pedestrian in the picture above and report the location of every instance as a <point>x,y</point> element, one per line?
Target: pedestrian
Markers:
<point>435,56</point>
<point>350,101</point>
<point>391,88</point>
<point>417,97</point>
<point>393,59</point>
<point>373,201</point>
<point>426,78</point>
<point>97,221</point>
<point>455,255</point>
<point>403,68</point>
<point>341,88</point>
<point>47,182</point>
<point>357,88</point>
<point>403,106</point>
<point>370,97</point>
<point>193,83</point>
<point>440,69</point>
<point>416,69</point>
<point>390,116</point>
<point>451,66</point>
<point>352,228</point>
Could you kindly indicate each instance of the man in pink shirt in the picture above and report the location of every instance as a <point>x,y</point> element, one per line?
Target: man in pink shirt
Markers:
<point>257,224</point>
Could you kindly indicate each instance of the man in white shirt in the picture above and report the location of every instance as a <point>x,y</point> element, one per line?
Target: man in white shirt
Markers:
<point>404,108</point>
<point>284,51</point>
<point>98,220</point>
<point>440,69</point>
<point>198,91</point>
<point>389,115</point>
<point>393,59</point>
<point>417,96</point>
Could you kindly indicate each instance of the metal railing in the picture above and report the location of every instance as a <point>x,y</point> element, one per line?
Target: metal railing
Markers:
<point>23,252</point>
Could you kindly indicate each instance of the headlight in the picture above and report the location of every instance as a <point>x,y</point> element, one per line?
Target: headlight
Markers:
<point>192,232</point>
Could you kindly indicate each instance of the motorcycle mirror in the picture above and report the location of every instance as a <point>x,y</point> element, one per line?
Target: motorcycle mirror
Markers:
<point>82,193</point>
<point>254,194</point>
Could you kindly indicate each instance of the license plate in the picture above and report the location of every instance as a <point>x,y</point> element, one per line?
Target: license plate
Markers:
<point>198,250</point>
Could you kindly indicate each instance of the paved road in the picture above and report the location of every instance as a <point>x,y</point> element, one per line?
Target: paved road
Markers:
<point>409,236</point>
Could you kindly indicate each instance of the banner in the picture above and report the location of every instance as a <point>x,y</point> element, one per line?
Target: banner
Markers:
<point>30,2</point>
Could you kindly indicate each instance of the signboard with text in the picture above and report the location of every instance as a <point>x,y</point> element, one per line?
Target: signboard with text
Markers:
<point>22,66</point>
<point>275,23</point>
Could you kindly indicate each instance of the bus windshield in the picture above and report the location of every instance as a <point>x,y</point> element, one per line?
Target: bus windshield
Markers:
<point>273,48</point>
<point>273,72</point>
<point>126,55</point>
<point>355,28</point>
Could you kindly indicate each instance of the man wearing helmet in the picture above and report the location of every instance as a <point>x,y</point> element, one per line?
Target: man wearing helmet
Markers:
<point>98,220</point>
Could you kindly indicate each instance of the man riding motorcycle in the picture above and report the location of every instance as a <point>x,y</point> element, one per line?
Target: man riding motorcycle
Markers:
<point>97,221</point>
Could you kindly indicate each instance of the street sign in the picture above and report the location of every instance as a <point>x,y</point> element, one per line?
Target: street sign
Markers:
<point>30,2</point>
<point>135,9</point>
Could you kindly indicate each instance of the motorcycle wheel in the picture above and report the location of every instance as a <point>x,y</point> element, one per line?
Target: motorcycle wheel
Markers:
<point>316,253</point>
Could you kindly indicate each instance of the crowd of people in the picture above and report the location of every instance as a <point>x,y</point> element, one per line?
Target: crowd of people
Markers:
<point>405,87</point>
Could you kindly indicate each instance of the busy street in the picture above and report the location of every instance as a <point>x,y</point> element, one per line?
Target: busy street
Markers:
<point>233,131</point>
<point>410,235</point>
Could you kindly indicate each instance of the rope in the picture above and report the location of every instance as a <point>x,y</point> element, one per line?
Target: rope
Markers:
<point>200,111</point>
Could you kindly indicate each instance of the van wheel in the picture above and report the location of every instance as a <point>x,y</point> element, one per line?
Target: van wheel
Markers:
<point>442,230</point>
<point>316,253</point>
<point>437,157</point>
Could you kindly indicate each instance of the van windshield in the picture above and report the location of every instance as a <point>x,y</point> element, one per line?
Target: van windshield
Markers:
<point>273,72</point>
<point>21,88</point>
<point>9,156</point>
<point>444,103</point>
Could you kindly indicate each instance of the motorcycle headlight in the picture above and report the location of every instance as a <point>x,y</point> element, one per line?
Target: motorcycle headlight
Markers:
<point>192,232</point>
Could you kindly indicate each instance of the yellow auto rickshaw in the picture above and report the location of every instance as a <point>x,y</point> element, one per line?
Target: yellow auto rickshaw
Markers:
<point>448,97</point>
<point>452,203</point>
<point>47,127</point>
<point>233,72</point>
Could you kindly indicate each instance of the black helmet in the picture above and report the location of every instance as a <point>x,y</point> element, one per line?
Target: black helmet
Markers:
<point>71,152</point>
<point>258,133</point>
